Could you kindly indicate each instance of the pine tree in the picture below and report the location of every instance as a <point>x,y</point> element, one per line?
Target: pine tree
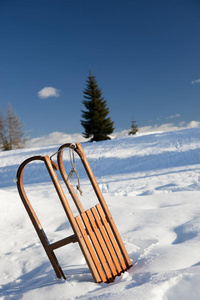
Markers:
<point>13,134</point>
<point>96,124</point>
<point>134,128</point>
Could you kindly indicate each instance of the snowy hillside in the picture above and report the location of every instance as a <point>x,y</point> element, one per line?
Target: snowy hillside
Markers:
<point>151,184</point>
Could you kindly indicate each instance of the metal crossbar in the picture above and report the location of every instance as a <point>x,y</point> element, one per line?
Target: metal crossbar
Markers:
<point>94,229</point>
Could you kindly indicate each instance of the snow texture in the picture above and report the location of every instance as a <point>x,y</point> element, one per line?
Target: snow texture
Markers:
<point>151,184</point>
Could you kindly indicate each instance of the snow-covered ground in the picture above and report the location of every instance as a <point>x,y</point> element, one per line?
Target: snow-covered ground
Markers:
<point>151,184</point>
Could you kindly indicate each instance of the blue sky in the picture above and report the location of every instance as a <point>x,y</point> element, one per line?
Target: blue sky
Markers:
<point>145,55</point>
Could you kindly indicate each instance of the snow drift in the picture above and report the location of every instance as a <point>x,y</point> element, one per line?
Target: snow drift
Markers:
<point>151,184</point>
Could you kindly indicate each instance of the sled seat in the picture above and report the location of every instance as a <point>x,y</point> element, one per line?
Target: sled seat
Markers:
<point>94,229</point>
<point>105,251</point>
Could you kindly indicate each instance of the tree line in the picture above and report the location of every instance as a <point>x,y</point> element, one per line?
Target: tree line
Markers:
<point>12,135</point>
<point>95,119</point>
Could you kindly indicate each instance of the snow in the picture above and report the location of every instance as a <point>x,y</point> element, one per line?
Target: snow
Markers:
<point>151,184</point>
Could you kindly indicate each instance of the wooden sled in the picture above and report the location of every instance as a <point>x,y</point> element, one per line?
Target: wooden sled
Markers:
<point>94,229</point>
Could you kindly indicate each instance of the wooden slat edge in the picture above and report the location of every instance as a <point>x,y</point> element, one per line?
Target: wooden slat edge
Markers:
<point>106,240</point>
<point>101,243</point>
<point>98,270</point>
<point>96,246</point>
<point>111,237</point>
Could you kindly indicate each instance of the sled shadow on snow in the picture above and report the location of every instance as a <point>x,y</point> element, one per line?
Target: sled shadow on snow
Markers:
<point>41,278</point>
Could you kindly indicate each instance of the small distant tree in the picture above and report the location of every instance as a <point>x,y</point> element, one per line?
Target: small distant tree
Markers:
<point>12,134</point>
<point>2,128</point>
<point>134,128</point>
<point>95,121</point>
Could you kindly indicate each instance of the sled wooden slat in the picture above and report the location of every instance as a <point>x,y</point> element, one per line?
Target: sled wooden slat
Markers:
<point>97,246</point>
<point>111,237</point>
<point>106,240</point>
<point>91,250</point>
<point>101,243</point>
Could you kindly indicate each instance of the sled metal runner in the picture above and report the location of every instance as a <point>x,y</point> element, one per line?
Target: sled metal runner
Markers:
<point>94,229</point>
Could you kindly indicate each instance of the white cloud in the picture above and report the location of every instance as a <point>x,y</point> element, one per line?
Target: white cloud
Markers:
<point>55,138</point>
<point>48,92</point>
<point>193,124</point>
<point>173,116</point>
<point>195,81</point>
<point>168,127</point>
<point>158,128</point>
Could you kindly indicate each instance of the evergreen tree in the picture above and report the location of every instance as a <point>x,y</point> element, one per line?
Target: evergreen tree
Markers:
<point>134,128</point>
<point>96,123</point>
<point>12,133</point>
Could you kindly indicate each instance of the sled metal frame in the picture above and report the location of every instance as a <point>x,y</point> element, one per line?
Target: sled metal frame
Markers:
<point>94,229</point>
